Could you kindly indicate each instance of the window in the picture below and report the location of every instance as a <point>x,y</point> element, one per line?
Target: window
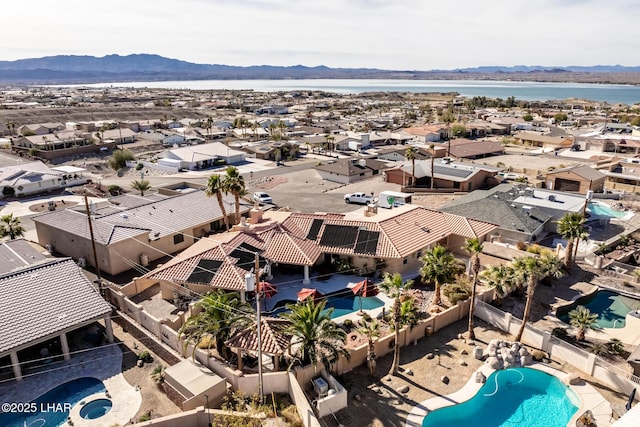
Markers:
<point>419,254</point>
<point>178,238</point>
<point>405,260</point>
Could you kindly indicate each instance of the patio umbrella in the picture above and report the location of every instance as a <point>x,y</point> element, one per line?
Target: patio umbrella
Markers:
<point>305,293</point>
<point>267,290</point>
<point>364,288</point>
<point>630,401</point>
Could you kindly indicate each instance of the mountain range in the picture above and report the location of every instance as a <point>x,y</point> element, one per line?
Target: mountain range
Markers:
<point>148,67</point>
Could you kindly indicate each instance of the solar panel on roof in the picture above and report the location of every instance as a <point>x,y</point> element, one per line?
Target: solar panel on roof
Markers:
<point>204,271</point>
<point>367,242</point>
<point>245,253</point>
<point>315,228</point>
<point>341,236</point>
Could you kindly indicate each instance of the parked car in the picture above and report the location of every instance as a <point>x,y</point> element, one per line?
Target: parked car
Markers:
<point>359,198</point>
<point>262,197</point>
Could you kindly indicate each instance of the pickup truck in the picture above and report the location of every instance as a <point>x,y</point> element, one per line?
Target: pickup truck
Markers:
<point>360,198</point>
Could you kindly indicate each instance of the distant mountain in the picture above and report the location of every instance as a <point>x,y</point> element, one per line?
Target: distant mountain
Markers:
<point>146,67</point>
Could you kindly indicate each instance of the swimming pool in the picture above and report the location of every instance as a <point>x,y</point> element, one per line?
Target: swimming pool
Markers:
<point>52,408</point>
<point>348,304</point>
<point>604,210</point>
<point>509,398</point>
<point>611,308</point>
<point>342,304</point>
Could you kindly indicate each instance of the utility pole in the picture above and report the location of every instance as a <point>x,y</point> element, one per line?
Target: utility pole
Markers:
<point>259,334</point>
<point>93,242</point>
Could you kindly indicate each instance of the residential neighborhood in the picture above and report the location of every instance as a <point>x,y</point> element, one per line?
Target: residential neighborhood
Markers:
<point>199,257</point>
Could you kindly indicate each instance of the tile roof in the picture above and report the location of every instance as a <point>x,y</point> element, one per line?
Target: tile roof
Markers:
<point>273,337</point>
<point>18,254</point>
<point>45,300</point>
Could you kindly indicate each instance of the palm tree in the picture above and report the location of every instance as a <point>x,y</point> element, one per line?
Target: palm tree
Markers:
<point>316,338</point>
<point>142,186</point>
<point>501,278</point>
<point>439,267</point>
<point>474,248</point>
<point>410,155</point>
<point>371,330</point>
<point>223,313</point>
<point>582,319</point>
<point>571,228</point>
<point>233,183</point>
<point>394,286</point>
<point>531,269</point>
<point>11,227</point>
<point>215,187</point>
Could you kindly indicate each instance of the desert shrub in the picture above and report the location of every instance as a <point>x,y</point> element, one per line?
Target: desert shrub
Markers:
<point>366,317</point>
<point>115,190</point>
<point>521,245</point>
<point>348,323</point>
<point>207,342</point>
<point>145,356</point>
<point>615,346</point>
<point>458,291</point>
<point>599,349</point>
<point>119,159</point>
<point>139,166</point>
<point>534,249</point>
<point>291,416</point>
<point>145,417</point>
<point>157,375</point>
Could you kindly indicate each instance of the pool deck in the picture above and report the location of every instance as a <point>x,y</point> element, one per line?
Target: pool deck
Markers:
<point>589,397</point>
<point>103,363</point>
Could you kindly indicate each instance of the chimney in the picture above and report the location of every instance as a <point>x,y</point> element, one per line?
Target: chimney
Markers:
<point>243,226</point>
<point>255,215</point>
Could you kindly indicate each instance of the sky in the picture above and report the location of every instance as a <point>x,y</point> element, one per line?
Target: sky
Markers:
<point>384,34</point>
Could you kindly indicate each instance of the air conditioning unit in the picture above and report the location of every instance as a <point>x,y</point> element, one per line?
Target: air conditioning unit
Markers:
<point>320,386</point>
<point>82,262</point>
<point>49,248</point>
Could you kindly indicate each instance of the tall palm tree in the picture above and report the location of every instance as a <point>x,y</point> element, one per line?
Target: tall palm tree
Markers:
<point>142,186</point>
<point>571,228</point>
<point>582,319</point>
<point>474,248</point>
<point>501,278</point>
<point>371,330</point>
<point>531,269</point>
<point>223,313</point>
<point>439,267</point>
<point>233,183</point>
<point>10,226</point>
<point>215,187</point>
<point>410,155</point>
<point>394,287</point>
<point>316,338</point>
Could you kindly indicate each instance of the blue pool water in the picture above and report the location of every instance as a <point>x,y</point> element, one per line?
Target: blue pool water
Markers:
<point>348,304</point>
<point>52,408</point>
<point>611,308</point>
<point>602,210</point>
<point>510,398</point>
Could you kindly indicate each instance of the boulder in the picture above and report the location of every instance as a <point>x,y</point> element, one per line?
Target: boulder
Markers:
<point>462,362</point>
<point>463,352</point>
<point>571,378</point>
<point>403,389</point>
<point>429,356</point>
<point>494,363</point>
<point>445,379</point>
<point>480,378</point>
<point>408,372</point>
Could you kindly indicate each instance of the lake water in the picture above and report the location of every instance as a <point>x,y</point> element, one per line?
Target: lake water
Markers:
<point>528,91</point>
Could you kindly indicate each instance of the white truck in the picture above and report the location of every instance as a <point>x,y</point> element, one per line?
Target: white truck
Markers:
<point>390,199</point>
<point>359,198</point>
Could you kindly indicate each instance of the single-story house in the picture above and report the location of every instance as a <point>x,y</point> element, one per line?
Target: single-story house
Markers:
<point>36,177</point>
<point>474,149</point>
<point>346,171</point>
<point>426,134</point>
<point>535,139</point>
<point>134,230</point>
<point>576,178</point>
<point>446,174</point>
<point>522,213</point>
<point>202,156</point>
